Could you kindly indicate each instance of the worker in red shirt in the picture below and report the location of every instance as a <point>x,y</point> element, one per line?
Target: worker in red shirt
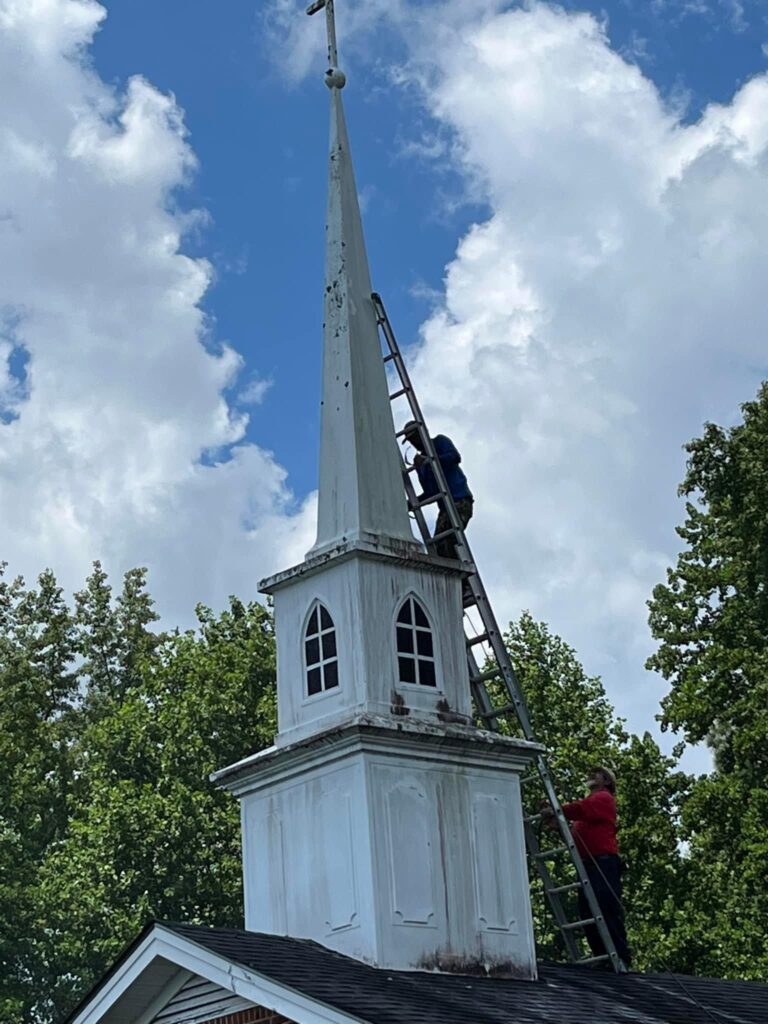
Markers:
<point>593,825</point>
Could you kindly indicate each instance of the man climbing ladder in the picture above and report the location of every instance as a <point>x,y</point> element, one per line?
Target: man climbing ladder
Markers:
<point>449,458</point>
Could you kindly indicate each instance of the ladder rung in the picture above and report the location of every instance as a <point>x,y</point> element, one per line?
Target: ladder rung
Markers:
<point>549,854</point>
<point>492,673</point>
<point>571,926</point>
<point>398,394</point>
<point>531,819</point>
<point>390,357</point>
<point>570,887</point>
<point>444,533</point>
<point>528,779</point>
<point>505,709</point>
<point>427,501</point>
<point>594,959</point>
<point>479,639</point>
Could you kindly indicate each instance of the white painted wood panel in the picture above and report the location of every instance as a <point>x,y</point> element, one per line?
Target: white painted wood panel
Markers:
<point>335,830</point>
<point>493,863</point>
<point>409,841</point>
<point>307,884</point>
<point>362,595</point>
<point>402,847</point>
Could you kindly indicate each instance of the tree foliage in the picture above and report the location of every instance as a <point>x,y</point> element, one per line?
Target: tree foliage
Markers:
<point>711,621</point>
<point>37,687</point>
<point>110,730</point>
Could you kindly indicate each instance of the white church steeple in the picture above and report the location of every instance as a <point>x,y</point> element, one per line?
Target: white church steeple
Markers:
<point>361,492</point>
<point>382,823</point>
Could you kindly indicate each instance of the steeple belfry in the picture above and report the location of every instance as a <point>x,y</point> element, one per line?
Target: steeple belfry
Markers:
<point>361,493</point>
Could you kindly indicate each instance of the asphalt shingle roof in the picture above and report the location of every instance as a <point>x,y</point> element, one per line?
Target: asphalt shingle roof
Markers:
<point>562,995</point>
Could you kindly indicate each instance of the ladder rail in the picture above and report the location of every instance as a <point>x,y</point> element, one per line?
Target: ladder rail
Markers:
<point>406,390</point>
<point>488,713</point>
<point>556,906</point>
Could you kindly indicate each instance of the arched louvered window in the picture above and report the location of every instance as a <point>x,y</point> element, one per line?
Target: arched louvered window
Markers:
<point>320,656</point>
<point>415,645</point>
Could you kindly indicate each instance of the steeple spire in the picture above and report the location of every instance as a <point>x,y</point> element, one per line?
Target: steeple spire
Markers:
<point>361,494</point>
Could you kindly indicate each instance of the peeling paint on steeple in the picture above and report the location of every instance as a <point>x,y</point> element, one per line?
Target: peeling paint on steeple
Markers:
<point>361,492</point>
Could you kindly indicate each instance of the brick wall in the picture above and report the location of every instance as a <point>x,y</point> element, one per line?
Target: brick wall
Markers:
<point>254,1015</point>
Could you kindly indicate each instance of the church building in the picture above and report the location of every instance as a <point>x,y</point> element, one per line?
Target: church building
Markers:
<point>383,845</point>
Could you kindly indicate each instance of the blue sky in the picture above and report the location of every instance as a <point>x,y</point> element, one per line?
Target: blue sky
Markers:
<point>567,214</point>
<point>261,142</point>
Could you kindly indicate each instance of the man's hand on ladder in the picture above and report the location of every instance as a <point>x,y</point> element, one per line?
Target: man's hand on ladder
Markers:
<point>548,819</point>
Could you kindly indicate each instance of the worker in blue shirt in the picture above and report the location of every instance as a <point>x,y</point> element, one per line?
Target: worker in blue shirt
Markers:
<point>454,477</point>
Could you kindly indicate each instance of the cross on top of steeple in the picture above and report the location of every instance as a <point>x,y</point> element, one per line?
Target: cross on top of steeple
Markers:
<point>335,79</point>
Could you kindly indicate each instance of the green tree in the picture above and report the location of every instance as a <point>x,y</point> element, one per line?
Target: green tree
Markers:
<point>573,718</point>
<point>110,730</point>
<point>149,836</point>
<point>37,689</point>
<point>711,621</point>
<point>115,638</point>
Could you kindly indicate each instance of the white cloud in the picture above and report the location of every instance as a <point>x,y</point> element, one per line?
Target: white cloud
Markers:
<point>119,443</point>
<point>255,391</point>
<point>609,305</point>
<point>298,42</point>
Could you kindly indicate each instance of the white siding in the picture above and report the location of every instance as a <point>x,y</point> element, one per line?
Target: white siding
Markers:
<point>403,850</point>
<point>199,1000</point>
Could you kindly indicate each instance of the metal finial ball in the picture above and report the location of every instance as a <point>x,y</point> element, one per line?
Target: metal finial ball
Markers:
<point>335,79</point>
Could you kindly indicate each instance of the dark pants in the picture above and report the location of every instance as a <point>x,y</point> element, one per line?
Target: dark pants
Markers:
<point>447,546</point>
<point>605,875</point>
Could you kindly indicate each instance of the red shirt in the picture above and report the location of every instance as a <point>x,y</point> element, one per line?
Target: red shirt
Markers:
<point>594,823</point>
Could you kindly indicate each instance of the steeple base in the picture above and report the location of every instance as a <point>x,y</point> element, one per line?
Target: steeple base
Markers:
<point>398,844</point>
<point>366,541</point>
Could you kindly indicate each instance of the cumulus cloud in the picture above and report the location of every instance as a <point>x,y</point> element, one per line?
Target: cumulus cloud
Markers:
<point>299,42</point>
<point>609,305</point>
<point>116,440</point>
<point>255,391</point>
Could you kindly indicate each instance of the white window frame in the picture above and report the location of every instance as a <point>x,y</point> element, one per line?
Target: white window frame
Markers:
<point>417,686</point>
<point>325,691</point>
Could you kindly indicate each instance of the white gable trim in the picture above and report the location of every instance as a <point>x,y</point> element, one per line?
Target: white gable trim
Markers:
<point>195,959</point>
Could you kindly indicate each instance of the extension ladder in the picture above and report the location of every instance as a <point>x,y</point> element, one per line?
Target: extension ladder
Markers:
<point>500,669</point>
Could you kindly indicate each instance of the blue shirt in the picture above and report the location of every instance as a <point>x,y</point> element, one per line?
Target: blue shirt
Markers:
<point>454,477</point>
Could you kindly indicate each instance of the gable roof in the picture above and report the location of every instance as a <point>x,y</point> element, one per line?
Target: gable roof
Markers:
<point>563,994</point>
